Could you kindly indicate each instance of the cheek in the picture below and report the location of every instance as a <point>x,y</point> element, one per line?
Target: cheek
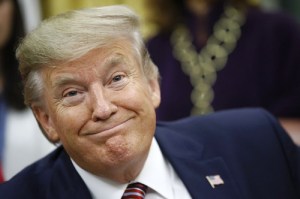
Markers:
<point>139,101</point>
<point>70,121</point>
<point>136,98</point>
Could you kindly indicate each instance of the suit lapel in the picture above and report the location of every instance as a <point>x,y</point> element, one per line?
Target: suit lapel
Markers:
<point>65,181</point>
<point>186,157</point>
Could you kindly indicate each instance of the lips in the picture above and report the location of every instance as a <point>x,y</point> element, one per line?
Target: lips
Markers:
<point>107,129</point>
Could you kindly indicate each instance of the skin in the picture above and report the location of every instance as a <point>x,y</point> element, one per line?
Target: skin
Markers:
<point>199,8</point>
<point>292,127</point>
<point>101,107</point>
<point>6,18</point>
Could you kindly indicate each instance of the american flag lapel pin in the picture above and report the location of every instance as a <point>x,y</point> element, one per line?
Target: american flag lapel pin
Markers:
<point>215,180</point>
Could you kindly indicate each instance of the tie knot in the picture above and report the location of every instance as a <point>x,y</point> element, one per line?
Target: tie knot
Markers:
<point>135,190</point>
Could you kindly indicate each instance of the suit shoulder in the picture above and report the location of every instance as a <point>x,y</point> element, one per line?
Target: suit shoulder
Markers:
<point>231,126</point>
<point>224,119</point>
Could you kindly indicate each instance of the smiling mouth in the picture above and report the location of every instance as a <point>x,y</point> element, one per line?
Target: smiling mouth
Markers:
<point>109,130</point>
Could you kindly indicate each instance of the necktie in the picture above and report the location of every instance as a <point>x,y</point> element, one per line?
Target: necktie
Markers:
<point>135,191</point>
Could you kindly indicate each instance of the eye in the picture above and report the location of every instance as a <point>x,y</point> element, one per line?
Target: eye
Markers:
<point>118,81</point>
<point>71,94</point>
<point>117,78</point>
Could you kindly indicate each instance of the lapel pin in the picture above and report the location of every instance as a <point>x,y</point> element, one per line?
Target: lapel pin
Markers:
<point>215,180</point>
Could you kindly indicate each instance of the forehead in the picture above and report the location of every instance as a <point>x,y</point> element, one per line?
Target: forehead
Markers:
<point>100,59</point>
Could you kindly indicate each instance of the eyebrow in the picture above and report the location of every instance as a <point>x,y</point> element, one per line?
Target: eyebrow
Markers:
<point>114,60</point>
<point>66,78</point>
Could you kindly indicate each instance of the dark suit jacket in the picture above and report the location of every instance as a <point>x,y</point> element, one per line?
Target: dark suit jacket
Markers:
<point>247,148</point>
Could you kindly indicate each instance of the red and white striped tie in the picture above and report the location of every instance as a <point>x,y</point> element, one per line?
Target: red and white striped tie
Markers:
<point>135,191</point>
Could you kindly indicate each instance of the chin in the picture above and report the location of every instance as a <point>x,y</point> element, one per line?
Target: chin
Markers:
<point>124,154</point>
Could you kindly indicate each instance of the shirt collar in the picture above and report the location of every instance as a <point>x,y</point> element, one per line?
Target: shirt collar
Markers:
<point>99,187</point>
<point>155,174</point>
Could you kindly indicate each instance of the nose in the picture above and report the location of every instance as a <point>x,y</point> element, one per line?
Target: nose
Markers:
<point>102,107</point>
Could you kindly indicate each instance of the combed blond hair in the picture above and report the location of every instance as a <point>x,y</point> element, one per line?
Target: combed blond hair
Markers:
<point>71,35</point>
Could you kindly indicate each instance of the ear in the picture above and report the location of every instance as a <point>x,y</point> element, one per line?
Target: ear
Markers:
<point>45,123</point>
<point>155,92</point>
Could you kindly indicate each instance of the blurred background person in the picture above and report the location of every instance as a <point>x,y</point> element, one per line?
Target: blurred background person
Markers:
<point>222,54</point>
<point>20,139</point>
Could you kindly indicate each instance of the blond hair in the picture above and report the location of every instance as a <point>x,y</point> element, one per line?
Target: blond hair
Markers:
<point>71,35</point>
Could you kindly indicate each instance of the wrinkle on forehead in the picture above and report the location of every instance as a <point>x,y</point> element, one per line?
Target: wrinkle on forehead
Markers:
<point>98,61</point>
<point>82,68</point>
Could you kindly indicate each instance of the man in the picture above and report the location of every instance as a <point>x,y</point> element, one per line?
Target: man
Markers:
<point>94,90</point>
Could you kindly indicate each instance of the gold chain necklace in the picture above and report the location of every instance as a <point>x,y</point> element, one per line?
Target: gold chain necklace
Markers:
<point>202,68</point>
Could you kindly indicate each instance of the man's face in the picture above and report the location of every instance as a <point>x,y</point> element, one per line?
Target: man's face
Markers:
<point>102,109</point>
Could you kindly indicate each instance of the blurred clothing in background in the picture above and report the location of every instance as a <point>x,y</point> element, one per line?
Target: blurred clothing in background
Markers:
<point>215,55</point>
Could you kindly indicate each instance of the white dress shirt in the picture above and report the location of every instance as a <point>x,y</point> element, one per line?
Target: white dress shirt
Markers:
<point>157,174</point>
